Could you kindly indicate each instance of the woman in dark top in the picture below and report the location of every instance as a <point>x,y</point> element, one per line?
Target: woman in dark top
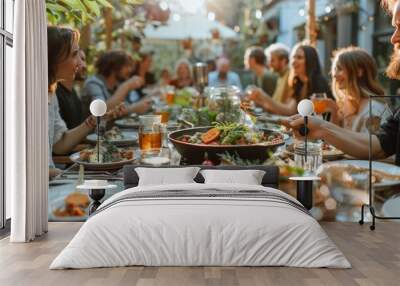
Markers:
<point>305,79</point>
<point>70,106</point>
<point>71,109</point>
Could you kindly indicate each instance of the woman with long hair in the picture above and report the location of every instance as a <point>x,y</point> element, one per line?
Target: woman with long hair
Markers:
<point>63,63</point>
<point>183,74</point>
<point>354,81</point>
<point>305,79</point>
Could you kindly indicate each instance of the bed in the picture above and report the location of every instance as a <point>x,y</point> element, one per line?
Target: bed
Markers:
<point>197,224</point>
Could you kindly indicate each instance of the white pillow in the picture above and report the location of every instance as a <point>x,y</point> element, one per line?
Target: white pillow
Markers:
<point>166,176</point>
<point>248,177</point>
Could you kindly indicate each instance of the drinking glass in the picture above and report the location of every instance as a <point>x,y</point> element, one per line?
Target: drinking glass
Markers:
<point>314,155</point>
<point>150,133</point>
<point>169,95</point>
<point>320,102</point>
<point>163,111</point>
<point>245,101</point>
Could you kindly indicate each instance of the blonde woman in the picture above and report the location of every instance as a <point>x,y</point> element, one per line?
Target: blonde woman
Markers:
<point>183,73</point>
<point>354,81</point>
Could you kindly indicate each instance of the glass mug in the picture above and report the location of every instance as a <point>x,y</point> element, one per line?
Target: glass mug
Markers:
<point>169,95</point>
<point>163,112</point>
<point>150,133</point>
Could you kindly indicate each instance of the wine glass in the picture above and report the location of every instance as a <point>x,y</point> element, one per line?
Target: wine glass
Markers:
<point>246,102</point>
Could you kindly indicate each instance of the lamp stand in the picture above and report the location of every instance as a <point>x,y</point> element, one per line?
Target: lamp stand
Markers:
<point>98,137</point>
<point>370,204</point>
<point>305,138</point>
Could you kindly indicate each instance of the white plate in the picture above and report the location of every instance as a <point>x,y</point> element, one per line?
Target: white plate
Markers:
<point>100,166</point>
<point>59,182</point>
<point>384,167</point>
<point>129,137</point>
<point>379,166</point>
<point>271,118</point>
<point>127,123</point>
<point>391,207</point>
<point>134,124</point>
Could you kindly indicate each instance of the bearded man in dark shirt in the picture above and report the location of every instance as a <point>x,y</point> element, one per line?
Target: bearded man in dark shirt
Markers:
<point>384,144</point>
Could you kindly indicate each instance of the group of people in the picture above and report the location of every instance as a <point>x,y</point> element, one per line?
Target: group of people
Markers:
<point>119,80</point>
<point>280,79</point>
<point>387,140</point>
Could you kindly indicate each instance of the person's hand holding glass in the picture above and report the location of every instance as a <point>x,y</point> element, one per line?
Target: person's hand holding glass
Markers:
<point>247,102</point>
<point>257,96</point>
<point>323,104</point>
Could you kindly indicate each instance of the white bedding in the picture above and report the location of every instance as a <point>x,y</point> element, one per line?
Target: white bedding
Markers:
<point>200,231</point>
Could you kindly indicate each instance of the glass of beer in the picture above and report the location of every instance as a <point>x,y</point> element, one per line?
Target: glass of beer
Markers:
<point>164,112</point>
<point>320,102</point>
<point>150,133</point>
<point>170,95</point>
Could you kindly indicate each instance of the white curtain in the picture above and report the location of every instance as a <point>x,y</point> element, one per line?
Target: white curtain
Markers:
<point>26,123</point>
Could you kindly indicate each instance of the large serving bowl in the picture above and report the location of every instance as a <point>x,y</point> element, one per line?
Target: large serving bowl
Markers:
<point>194,153</point>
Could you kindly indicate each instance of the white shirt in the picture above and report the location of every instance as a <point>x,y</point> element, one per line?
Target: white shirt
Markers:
<point>57,126</point>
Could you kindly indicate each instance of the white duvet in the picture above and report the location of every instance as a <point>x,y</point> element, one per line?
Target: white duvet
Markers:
<point>200,231</point>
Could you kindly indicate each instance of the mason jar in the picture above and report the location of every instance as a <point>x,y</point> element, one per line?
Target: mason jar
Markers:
<point>225,101</point>
<point>313,160</point>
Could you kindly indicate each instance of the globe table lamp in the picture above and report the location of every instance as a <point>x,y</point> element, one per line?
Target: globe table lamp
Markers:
<point>98,108</point>
<point>305,108</point>
<point>305,183</point>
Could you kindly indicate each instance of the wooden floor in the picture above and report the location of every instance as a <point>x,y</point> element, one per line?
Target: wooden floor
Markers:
<point>375,257</point>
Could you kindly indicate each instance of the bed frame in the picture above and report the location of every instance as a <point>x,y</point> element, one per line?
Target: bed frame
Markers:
<point>270,179</point>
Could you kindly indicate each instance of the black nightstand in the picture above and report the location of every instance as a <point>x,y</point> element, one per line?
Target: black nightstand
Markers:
<point>305,189</point>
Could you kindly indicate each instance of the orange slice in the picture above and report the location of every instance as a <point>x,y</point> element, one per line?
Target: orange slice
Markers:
<point>210,135</point>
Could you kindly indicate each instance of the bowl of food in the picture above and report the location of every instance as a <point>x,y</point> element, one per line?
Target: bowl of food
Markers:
<point>232,138</point>
<point>71,208</point>
<point>329,152</point>
<point>110,157</point>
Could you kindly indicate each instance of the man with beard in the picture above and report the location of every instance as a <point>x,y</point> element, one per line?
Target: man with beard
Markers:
<point>223,76</point>
<point>256,61</point>
<point>69,102</point>
<point>387,141</point>
<point>112,83</point>
<point>278,60</point>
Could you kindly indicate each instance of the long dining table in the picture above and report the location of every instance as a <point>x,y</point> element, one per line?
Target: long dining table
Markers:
<point>327,206</point>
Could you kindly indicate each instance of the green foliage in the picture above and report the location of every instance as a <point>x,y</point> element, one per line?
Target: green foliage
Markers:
<point>231,132</point>
<point>235,160</point>
<point>76,12</point>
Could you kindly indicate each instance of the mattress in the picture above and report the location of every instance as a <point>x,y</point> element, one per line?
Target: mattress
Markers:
<point>201,225</point>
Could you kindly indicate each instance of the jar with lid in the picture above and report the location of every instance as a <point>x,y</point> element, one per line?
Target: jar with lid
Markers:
<point>225,101</point>
<point>308,159</point>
